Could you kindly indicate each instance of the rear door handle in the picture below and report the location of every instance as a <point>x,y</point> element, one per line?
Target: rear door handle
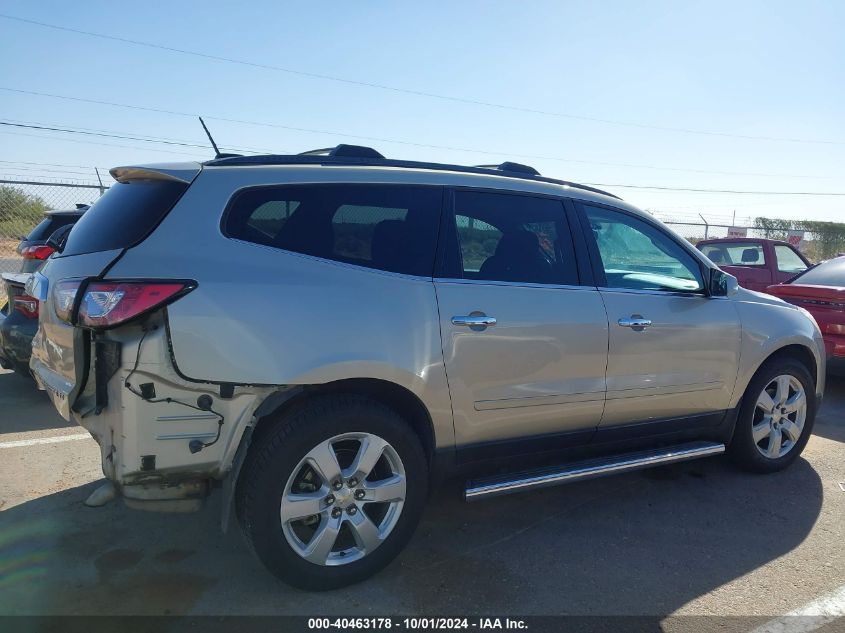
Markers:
<point>635,322</point>
<point>474,320</point>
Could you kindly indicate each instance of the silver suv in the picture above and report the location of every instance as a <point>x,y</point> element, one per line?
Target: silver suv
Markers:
<point>326,335</point>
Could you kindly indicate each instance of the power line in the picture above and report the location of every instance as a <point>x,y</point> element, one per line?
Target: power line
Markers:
<point>143,137</point>
<point>23,162</point>
<point>650,187</point>
<point>9,165</point>
<point>403,142</point>
<point>148,139</point>
<point>193,155</point>
<point>417,93</point>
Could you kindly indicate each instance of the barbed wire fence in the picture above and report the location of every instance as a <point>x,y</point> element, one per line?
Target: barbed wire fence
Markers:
<point>24,203</point>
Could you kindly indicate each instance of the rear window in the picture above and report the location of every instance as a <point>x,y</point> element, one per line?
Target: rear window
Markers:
<point>123,216</point>
<point>829,273</point>
<point>735,253</point>
<point>48,226</point>
<point>388,227</point>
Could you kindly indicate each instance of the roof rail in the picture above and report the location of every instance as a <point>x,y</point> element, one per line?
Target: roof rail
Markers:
<point>359,155</point>
<point>514,167</point>
<point>345,151</point>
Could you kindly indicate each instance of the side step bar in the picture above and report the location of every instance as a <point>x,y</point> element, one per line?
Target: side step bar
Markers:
<point>528,480</point>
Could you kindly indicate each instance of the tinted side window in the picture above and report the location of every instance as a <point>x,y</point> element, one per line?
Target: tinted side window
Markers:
<point>388,227</point>
<point>638,255</point>
<point>788,260</point>
<point>510,237</point>
<point>123,216</point>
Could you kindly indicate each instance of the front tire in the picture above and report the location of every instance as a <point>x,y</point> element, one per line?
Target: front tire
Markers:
<point>332,492</point>
<point>776,417</point>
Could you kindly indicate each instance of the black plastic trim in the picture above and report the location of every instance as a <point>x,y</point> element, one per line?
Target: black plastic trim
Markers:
<point>716,425</point>
<point>350,161</point>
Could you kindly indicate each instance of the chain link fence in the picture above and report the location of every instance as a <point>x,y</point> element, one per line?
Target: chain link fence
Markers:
<point>816,247</point>
<point>23,204</point>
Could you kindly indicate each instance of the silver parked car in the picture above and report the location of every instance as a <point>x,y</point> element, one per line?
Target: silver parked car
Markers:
<point>328,334</point>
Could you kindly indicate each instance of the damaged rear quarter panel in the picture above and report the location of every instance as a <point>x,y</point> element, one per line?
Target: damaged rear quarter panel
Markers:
<point>148,441</point>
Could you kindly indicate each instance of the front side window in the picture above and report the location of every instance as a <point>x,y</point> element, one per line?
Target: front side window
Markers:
<point>639,256</point>
<point>388,227</point>
<point>788,260</point>
<point>735,253</point>
<point>515,238</point>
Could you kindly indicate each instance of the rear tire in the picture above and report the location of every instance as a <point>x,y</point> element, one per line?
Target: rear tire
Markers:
<point>363,504</point>
<point>776,417</point>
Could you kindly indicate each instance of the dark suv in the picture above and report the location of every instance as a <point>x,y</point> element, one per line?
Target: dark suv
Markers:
<point>19,317</point>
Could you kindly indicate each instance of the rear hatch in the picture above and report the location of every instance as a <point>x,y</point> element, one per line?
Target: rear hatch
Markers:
<point>128,212</point>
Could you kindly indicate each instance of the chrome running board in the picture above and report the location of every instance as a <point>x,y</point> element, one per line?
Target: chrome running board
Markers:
<point>527,480</point>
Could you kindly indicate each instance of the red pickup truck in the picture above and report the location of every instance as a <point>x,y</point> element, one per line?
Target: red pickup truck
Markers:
<point>756,263</point>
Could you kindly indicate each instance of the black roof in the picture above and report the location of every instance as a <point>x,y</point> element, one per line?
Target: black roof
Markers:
<point>359,155</point>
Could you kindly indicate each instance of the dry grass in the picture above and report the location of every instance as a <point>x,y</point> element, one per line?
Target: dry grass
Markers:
<point>7,248</point>
<point>11,262</point>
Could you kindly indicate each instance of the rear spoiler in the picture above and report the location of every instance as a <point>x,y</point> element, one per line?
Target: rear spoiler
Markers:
<point>179,172</point>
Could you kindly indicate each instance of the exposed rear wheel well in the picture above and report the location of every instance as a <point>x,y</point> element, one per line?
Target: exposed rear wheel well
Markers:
<point>394,396</point>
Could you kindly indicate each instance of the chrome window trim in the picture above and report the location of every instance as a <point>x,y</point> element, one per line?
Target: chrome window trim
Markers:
<point>660,293</point>
<point>518,284</point>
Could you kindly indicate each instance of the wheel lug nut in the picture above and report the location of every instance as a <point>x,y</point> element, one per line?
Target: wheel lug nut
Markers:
<point>337,485</point>
<point>330,500</point>
<point>351,510</point>
<point>353,482</point>
<point>336,512</point>
<point>359,494</point>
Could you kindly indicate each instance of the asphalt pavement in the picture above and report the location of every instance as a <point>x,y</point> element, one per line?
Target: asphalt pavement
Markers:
<point>699,538</point>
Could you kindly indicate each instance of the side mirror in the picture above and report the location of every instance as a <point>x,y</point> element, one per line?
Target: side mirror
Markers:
<point>722,284</point>
<point>57,240</point>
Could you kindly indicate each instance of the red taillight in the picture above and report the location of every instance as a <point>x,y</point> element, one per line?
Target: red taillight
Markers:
<point>64,296</point>
<point>37,252</point>
<point>26,305</point>
<point>106,303</point>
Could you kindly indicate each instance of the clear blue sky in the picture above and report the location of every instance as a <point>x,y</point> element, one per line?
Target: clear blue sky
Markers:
<point>758,68</point>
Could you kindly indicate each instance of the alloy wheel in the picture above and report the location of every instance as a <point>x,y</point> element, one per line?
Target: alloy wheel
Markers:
<point>343,499</point>
<point>779,416</point>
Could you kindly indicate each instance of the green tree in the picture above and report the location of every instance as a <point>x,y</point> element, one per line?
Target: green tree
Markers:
<point>19,211</point>
<point>827,239</point>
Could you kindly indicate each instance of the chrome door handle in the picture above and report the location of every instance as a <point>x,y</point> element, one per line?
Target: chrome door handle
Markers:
<point>474,320</point>
<point>635,322</point>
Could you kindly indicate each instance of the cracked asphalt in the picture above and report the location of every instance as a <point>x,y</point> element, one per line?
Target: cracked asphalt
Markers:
<point>698,538</point>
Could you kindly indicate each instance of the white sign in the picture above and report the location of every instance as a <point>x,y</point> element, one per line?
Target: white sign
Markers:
<point>737,231</point>
<point>795,238</point>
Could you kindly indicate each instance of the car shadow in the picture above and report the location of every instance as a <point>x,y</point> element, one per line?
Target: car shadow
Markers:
<point>25,408</point>
<point>643,543</point>
<point>830,421</point>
